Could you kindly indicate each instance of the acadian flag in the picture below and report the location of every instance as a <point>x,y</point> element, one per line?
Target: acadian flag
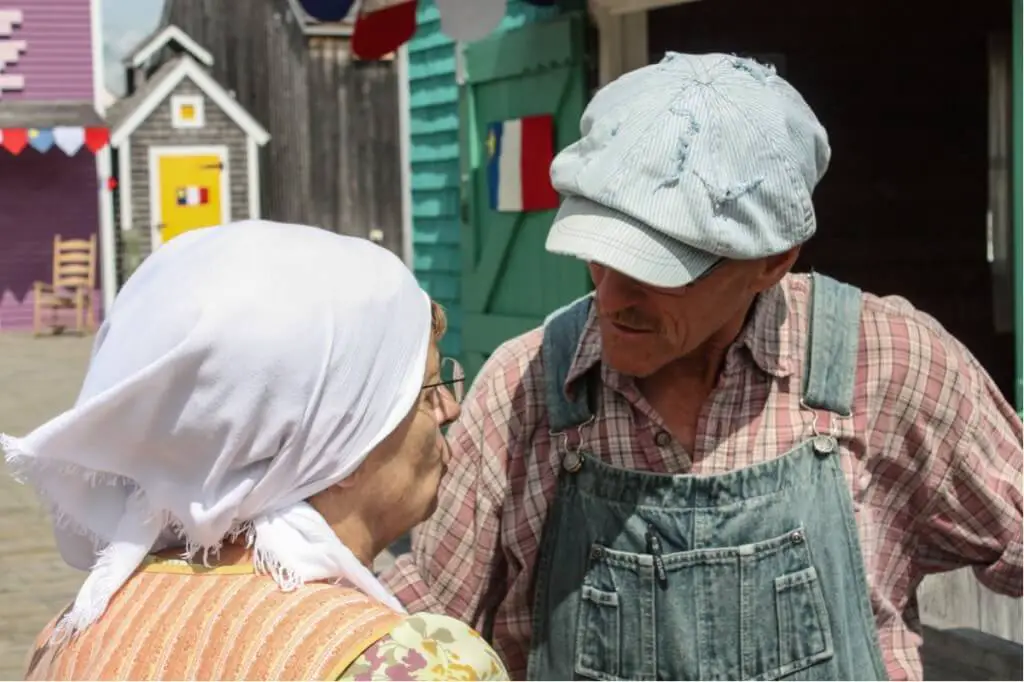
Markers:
<point>192,196</point>
<point>519,155</point>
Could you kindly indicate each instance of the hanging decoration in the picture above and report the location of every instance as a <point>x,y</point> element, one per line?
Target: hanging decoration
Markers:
<point>40,140</point>
<point>14,140</point>
<point>68,139</point>
<point>327,10</point>
<point>382,27</point>
<point>469,20</point>
<point>96,139</point>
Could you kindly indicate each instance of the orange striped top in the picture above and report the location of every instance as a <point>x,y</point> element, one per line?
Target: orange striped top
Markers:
<point>179,621</point>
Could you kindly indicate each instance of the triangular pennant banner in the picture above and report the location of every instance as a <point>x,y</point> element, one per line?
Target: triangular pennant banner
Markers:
<point>327,10</point>
<point>15,140</point>
<point>40,139</point>
<point>382,27</point>
<point>96,138</point>
<point>69,139</point>
<point>469,20</point>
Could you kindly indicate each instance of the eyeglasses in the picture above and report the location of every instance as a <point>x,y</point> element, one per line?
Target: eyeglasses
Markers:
<point>452,377</point>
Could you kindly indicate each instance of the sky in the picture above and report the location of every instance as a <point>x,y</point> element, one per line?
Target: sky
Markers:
<point>125,23</point>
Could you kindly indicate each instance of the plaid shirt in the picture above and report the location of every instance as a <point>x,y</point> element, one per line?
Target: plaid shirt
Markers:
<point>932,455</point>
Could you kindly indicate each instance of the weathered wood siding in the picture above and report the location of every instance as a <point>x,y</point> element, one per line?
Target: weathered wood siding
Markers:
<point>333,158</point>
<point>156,131</point>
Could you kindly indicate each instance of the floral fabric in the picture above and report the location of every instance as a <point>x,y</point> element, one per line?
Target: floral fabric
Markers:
<point>428,646</point>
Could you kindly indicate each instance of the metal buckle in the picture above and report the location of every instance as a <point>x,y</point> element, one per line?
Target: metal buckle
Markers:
<point>572,459</point>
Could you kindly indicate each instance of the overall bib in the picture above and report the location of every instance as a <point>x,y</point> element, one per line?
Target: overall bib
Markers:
<point>753,574</point>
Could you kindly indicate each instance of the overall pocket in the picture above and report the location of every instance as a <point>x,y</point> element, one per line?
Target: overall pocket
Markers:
<point>756,611</point>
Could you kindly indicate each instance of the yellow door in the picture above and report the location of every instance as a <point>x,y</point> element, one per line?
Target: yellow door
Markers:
<point>190,195</point>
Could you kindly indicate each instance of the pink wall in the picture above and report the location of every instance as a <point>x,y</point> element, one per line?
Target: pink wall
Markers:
<point>40,195</point>
<point>57,62</point>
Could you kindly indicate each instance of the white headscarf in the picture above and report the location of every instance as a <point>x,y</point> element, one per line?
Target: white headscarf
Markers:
<point>242,369</point>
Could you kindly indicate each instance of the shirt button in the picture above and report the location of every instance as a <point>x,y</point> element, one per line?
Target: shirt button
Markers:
<point>662,438</point>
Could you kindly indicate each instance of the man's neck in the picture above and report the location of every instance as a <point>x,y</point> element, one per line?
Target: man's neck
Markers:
<point>696,373</point>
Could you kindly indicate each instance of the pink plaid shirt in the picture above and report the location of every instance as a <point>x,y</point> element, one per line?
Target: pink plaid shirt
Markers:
<point>932,454</point>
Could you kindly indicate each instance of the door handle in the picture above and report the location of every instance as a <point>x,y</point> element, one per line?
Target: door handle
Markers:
<point>212,166</point>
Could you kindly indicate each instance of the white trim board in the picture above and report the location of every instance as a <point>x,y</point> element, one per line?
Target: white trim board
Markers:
<point>124,184</point>
<point>189,68</point>
<point>161,39</point>
<point>107,238</point>
<point>252,161</point>
<point>154,182</point>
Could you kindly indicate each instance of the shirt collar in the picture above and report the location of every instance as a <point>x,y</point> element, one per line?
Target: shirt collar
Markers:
<point>767,336</point>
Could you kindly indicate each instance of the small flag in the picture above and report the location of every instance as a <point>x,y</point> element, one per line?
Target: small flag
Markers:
<point>519,155</point>
<point>96,138</point>
<point>69,139</point>
<point>382,27</point>
<point>15,140</point>
<point>40,139</point>
<point>192,196</point>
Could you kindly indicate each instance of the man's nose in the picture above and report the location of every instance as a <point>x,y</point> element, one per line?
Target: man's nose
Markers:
<point>616,292</point>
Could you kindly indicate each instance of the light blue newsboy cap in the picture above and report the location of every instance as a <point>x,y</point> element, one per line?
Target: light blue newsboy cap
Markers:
<point>685,162</point>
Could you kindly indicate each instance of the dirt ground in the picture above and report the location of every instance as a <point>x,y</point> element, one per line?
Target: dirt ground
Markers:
<point>38,379</point>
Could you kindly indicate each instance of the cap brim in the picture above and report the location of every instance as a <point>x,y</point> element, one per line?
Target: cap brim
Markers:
<point>596,233</point>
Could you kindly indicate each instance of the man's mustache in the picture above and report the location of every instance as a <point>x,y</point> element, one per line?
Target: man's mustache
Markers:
<point>631,318</point>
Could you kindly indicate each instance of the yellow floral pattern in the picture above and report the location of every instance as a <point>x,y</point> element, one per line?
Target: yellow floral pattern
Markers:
<point>428,646</point>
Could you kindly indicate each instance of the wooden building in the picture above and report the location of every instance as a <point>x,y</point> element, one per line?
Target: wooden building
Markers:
<point>334,161</point>
<point>187,153</point>
<point>53,150</point>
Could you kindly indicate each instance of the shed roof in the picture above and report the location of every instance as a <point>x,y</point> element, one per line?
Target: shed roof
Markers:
<point>129,113</point>
<point>161,37</point>
<point>21,114</point>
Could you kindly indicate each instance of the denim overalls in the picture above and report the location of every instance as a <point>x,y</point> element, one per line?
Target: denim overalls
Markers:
<point>753,574</point>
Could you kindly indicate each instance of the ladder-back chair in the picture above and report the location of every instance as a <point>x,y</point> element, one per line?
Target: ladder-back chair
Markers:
<point>74,281</point>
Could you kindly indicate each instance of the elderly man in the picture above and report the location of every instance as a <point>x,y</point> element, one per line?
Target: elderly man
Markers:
<point>713,468</point>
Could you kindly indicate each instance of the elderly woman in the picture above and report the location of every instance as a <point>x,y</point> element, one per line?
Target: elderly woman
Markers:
<point>261,417</point>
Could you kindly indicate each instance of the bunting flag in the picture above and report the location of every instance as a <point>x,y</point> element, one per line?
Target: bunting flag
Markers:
<point>469,20</point>
<point>14,139</point>
<point>40,140</point>
<point>96,139</point>
<point>382,27</point>
<point>69,139</point>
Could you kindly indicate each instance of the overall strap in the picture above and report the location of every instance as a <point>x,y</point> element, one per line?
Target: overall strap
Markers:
<point>562,332</point>
<point>832,349</point>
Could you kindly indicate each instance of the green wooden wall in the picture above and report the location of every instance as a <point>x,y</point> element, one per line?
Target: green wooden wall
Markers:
<point>434,156</point>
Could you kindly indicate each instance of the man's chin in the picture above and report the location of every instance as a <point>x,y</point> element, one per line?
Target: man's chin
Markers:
<point>625,362</point>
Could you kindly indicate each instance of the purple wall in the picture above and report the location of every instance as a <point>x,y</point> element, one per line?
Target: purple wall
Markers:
<point>57,61</point>
<point>40,195</point>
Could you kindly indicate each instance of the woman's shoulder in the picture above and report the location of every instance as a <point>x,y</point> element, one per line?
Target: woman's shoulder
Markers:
<point>427,646</point>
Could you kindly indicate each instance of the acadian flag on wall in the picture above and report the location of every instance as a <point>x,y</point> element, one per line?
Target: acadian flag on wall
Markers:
<point>519,155</point>
<point>192,196</point>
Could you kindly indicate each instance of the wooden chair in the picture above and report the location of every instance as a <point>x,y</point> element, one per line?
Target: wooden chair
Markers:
<point>74,281</point>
